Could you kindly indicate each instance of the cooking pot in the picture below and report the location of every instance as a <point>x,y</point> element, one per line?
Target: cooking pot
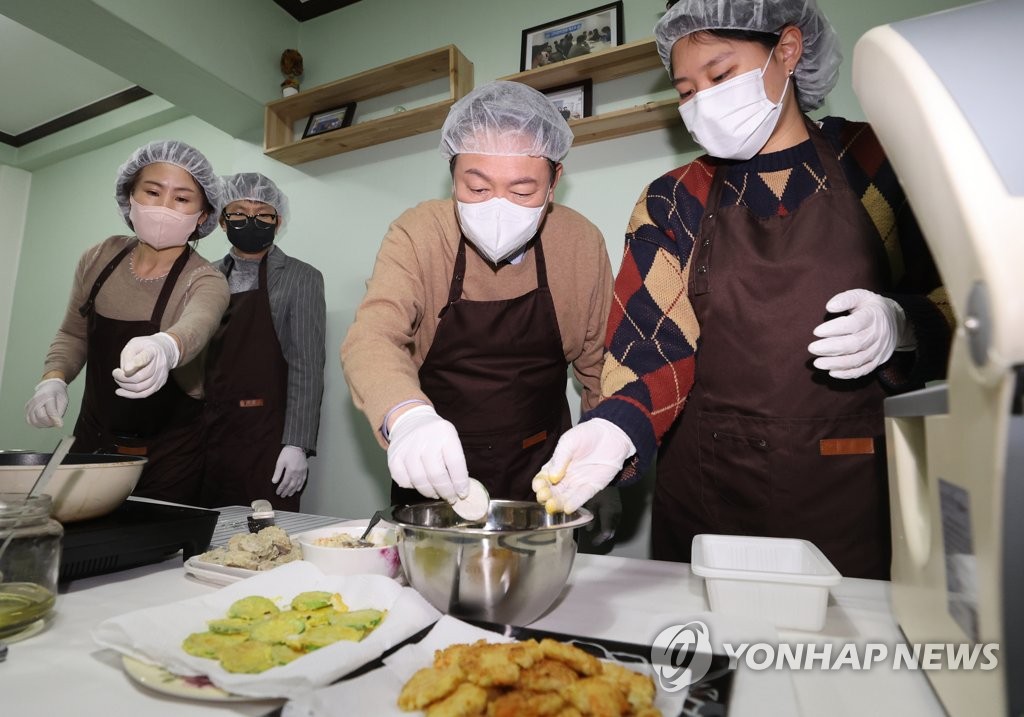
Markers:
<point>84,486</point>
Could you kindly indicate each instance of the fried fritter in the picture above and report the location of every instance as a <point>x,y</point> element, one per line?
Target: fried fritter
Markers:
<point>527,679</point>
<point>638,689</point>
<point>209,644</point>
<point>577,659</point>
<point>278,629</point>
<point>249,657</point>
<point>311,600</point>
<point>428,685</point>
<point>489,665</point>
<point>254,607</point>
<point>548,675</point>
<point>467,700</point>
<point>523,703</point>
<point>597,697</point>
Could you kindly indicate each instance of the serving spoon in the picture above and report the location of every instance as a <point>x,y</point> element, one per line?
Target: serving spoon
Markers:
<point>41,482</point>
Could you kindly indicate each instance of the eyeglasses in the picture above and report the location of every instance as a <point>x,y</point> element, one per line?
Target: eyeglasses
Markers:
<point>240,220</point>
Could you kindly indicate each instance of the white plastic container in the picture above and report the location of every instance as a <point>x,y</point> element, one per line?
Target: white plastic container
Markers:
<point>782,580</point>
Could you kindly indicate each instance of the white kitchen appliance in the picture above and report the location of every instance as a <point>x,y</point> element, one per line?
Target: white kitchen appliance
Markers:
<point>945,95</point>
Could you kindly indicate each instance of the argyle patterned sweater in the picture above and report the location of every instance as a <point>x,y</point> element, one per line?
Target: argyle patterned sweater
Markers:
<point>652,334</point>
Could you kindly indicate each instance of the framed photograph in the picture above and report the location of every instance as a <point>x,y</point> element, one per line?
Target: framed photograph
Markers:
<point>320,122</point>
<point>572,36</point>
<point>573,101</point>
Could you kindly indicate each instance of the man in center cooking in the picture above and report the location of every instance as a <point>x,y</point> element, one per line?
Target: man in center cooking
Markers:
<point>477,305</point>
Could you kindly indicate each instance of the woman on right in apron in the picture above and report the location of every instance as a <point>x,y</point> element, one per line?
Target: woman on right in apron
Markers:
<point>773,292</point>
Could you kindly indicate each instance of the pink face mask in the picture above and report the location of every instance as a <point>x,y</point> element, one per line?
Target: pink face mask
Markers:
<point>160,227</point>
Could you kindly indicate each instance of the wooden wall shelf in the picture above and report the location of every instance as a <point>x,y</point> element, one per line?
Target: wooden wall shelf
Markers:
<point>610,64</point>
<point>281,115</point>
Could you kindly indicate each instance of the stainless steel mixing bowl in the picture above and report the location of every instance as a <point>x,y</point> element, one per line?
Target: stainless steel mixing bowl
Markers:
<point>509,568</point>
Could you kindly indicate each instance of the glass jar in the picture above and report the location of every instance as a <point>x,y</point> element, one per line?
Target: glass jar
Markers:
<point>30,562</point>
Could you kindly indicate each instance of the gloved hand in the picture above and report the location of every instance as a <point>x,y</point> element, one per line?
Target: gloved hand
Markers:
<point>145,363</point>
<point>48,404</point>
<point>425,453</point>
<point>291,471</point>
<point>854,345</point>
<point>586,459</point>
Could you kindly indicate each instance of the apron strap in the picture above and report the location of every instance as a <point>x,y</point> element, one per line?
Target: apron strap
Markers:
<point>85,308</point>
<point>169,282</point>
<point>542,270</point>
<point>458,275</point>
<point>459,272</point>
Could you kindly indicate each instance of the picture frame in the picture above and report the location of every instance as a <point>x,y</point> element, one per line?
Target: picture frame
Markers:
<point>572,36</point>
<point>573,101</point>
<point>329,120</point>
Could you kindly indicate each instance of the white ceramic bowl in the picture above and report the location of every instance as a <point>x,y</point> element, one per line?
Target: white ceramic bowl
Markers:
<point>84,486</point>
<point>382,559</point>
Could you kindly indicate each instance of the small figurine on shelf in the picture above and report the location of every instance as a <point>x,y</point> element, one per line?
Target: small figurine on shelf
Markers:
<point>291,68</point>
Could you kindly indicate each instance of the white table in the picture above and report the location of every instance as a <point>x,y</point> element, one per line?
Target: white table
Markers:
<point>60,671</point>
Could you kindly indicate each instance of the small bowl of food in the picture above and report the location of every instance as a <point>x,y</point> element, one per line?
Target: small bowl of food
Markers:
<point>338,550</point>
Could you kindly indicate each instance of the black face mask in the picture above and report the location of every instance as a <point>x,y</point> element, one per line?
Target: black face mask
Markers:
<point>254,237</point>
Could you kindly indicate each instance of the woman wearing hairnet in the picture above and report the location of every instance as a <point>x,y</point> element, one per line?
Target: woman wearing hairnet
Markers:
<point>477,305</point>
<point>786,230</point>
<point>265,364</point>
<point>141,309</point>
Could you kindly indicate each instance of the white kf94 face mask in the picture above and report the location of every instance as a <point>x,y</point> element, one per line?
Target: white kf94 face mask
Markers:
<point>499,228</point>
<point>733,120</point>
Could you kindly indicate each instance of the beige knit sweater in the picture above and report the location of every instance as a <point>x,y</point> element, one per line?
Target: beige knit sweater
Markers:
<point>395,323</point>
<point>193,313</point>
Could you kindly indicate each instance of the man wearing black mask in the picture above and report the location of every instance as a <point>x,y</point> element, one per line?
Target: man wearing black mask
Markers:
<point>265,364</point>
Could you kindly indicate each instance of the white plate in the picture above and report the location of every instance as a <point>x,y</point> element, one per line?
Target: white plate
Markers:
<point>160,680</point>
<point>216,574</point>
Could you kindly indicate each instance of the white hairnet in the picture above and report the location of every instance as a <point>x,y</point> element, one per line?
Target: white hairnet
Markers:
<point>816,73</point>
<point>505,118</point>
<point>258,188</point>
<point>185,156</point>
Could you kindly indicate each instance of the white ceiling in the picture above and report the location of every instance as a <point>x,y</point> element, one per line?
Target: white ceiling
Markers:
<point>41,80</point>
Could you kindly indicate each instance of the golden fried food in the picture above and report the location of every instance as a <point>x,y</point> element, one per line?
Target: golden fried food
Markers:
<point>311,600</point>
<point>639,690</point>
<point>597,697</point>
<point>247,656</point>
<point>467,700</point>
<point>582,662</point>
<point>548,675</point>
<point>523,703</point>
<point>209,644</point>
<point>229,625</point>
<point>278,629</point>
<point>321,636</point>
<point>253,607</point>
<point>526,679</point>
<point>257,635</point>
<point>428,685</point>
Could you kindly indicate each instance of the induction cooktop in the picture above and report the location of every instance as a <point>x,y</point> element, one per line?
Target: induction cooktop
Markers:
<point>138,533</point>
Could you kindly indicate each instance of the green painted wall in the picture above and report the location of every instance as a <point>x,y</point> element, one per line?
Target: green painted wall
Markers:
<point>342,205</point>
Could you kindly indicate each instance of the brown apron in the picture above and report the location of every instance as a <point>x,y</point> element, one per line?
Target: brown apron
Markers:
<point>767,444</point>
<point>165,427</point>
<point>497,371</point>
<point>246,398</point>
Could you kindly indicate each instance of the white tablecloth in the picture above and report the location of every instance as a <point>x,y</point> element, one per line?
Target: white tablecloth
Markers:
<point>60,671</point>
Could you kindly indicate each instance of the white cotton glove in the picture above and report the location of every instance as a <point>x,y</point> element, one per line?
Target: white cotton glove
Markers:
<point>47,406</point>
<point>425,454</point>
<point>585,460</point>
<point>291,471</point>
<point>855,344</point>
<point>145,363</point>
